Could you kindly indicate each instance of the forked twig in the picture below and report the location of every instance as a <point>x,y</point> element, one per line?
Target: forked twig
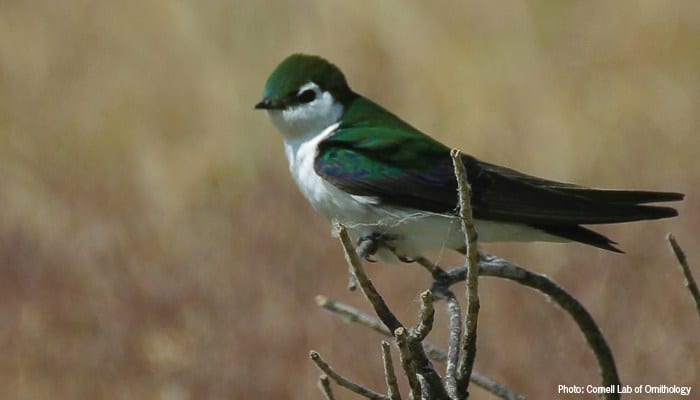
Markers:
<point>421,362</point>
<point>351,314</point>
<point>490,265</point>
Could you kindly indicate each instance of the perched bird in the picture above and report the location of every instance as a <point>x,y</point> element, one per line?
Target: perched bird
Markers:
<point>362,166</point>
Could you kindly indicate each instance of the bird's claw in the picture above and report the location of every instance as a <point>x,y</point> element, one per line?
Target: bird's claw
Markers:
<point>367,246</point>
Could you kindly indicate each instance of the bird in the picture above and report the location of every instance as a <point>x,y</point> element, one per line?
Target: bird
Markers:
<point>360,165</point>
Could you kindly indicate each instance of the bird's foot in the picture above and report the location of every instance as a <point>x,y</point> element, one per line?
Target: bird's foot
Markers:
<point>367,246</point>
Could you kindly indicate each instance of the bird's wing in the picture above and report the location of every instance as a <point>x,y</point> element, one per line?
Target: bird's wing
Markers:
<point>601,195</point>
<point>397,167</point>
<point>403,167</point>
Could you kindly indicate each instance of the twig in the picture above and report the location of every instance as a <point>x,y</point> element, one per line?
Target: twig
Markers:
<point>427,316</point>
<point>490,265</point>
<point>351,314</point>
<point>494,387</point>
<point>391,386</point>
<point>466,362</point>
<point>683,261</point>
<point>324,385</point>
<point>424,388</point>
<point>407,361</point>
<point>496,266</point>
<point>422,362</point>
<point>368,289</point>
<point>443,280</point>
<point>343,381</point>
<point>455,327</point>
<point>435,270</point>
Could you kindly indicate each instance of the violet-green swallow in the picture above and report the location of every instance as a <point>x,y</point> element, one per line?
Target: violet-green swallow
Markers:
<point>362,166</point>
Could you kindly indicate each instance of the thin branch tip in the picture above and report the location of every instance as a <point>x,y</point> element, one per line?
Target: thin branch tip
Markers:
<point>427,316</point>
<point>321,300</point>
<point>342,380</point>
<point>690,282</point>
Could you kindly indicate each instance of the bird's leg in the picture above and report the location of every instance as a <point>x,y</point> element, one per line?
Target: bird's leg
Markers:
<point>367,246</point>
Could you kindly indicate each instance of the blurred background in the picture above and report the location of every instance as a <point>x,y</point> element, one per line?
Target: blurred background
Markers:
<point>153,244</point>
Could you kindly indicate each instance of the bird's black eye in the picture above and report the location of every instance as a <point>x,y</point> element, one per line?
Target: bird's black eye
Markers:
<point>307,96</point>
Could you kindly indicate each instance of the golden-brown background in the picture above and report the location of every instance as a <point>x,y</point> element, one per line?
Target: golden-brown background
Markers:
<point>152,244</point>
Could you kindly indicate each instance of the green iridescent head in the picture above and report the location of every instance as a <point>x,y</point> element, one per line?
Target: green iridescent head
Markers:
<point>285,85</point>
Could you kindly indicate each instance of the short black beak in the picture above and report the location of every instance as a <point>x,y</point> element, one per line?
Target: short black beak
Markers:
<point>269,104</point>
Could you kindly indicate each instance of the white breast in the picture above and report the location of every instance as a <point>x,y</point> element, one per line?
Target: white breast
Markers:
<point>325,198</point>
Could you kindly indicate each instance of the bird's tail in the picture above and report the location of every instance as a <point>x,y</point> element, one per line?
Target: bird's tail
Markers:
<point>629,197</point>
<point>627,205</point>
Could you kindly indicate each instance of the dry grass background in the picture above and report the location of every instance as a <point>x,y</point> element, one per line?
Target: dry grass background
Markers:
<point>152,244</point>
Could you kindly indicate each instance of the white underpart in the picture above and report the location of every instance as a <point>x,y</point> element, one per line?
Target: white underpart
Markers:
<point>415,231</point>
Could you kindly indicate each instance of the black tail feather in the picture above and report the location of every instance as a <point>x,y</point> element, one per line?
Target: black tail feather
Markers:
<point>623,197</point>
<point>644,212</point>
<point>580,234</point>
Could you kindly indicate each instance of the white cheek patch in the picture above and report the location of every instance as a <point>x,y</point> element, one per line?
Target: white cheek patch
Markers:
<point>308,118</point>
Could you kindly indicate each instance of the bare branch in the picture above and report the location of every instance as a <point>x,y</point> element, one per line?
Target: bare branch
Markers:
<point>351,314</point>
<point>496,266</point>
<point>494,387</point>
<point>368,289</point>
<point>343,381</point>
<point>422,362</point>
<point>389,374</point>
<point>455,327</point>
<point>424,388</point>
<point>683,261</point>
<point>435,270</point>
<point>466,361</point>
<point>490,265</point>
<point>324,385</point>
<point>407,362</point>
<point>427,316</point>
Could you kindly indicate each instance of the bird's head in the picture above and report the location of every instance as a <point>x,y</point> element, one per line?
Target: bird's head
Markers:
<point>304,95</point>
